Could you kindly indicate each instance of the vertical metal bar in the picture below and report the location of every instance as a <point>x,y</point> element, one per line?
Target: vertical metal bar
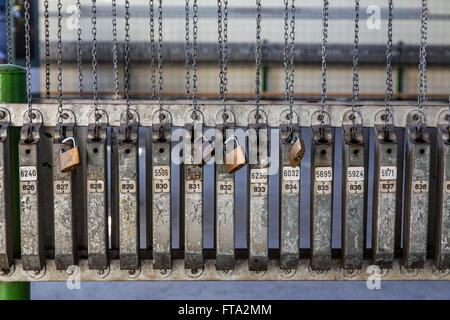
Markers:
<point>6,237</point>
<point>387,179</point>
<point>128,154</point>
<point>417,187</point>
<point>354,197</point>
<point>258,197</point>
<point>97,201</point>
<point>161,204</point>
<point>31,198</point>
<point>322,162</point>
<point>224,202</point>
<point>64,214</point>
<point>192,196</point>
<point>442,251</point>
<point>289,203</point>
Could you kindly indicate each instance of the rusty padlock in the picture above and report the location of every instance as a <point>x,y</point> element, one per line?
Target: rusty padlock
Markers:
<point>70,159</point>
<point>297,151</point>
<point>235,159</point>
<point>207,150</point>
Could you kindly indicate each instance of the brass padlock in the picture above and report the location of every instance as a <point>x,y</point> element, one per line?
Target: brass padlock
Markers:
<point>207,150</point>
<point>70,159</point>
<point>235,159</point>
<point>297,152</point>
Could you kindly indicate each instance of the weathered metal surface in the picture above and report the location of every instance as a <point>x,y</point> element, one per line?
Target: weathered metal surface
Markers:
<point>354,197</point>
<point>192,199</point>
<point>240,273</point>
<point>64,213</point>
<point>258,196</point>
<point>97,201</point>
<point>82,110</point>
<point>289,203</point>
<point>128,160</point>
<point>224,202</point>
<point>417,179</point>
<point>322,163</point>
<point>442,249</point>
<point>6,245</point>
<point>161,198</point>
<point>387,191</point>
<point>31,216</point>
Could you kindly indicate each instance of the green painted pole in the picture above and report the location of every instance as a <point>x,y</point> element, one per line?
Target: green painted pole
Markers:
<point>13,89</point>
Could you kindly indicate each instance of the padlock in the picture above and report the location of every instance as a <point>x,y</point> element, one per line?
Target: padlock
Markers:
<point>69,160</point>
<point>235,159</point>
<point>207,150</point>
<point>297,152</point>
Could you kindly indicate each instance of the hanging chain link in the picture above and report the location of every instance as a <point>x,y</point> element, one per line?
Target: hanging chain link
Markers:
<point>187,53</point>
<point>59,59</point>
<point>28,62</point>
<point>355,89</point>
<point>324,59</point>
<point>152,48</point>
<point>114,49</point>
<point>423,86</point>
<point>47,50</point>
<point>258,58</point>
<point>289,55</point>
<point>223,52</point>
<point>160,59</point>
<point>9,32</point>
<point>79,49</point>
<point>389,90</point>
<point>94,61</point>
<point>194,57</point>
<point>127,59</point>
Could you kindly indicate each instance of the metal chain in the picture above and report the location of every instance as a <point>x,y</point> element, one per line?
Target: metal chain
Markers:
<point>355,97</point>
<point>94,61</point>
<point>289,54</point>
<point>187,51</point>
<point>258,57</point>
<point>127,58</point>
<point>47,50</point>
<point>79,50</point>
<point>9,32</point>
<point>423,60</point>
<point>160,58</point>
<point>59,59</point>
<point>152,48</point>
<point>324,58</point>
<point>114,49</point>
<point>194,57</point>
<point>389,90</point>
<point>223,51</point>
<point>28,61</point>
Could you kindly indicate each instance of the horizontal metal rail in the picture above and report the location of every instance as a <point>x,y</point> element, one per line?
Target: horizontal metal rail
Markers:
<point>210,109</point>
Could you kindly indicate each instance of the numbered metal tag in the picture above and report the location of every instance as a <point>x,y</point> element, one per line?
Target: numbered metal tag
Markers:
<point>258,194</point>
<point>192,195</point>
<point>224,197</point>
<point>6,244</point>
<point>69,159</point>
<point>161,199</point>
<point>442,255</point>
<point>417,177</point>
<point>65,248</point>
<point>321,194</point>
<point>97,194</point>
<point>128,155</point>
<point>354,193</point>
<point>387,192</point>
<point>290,157</point>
